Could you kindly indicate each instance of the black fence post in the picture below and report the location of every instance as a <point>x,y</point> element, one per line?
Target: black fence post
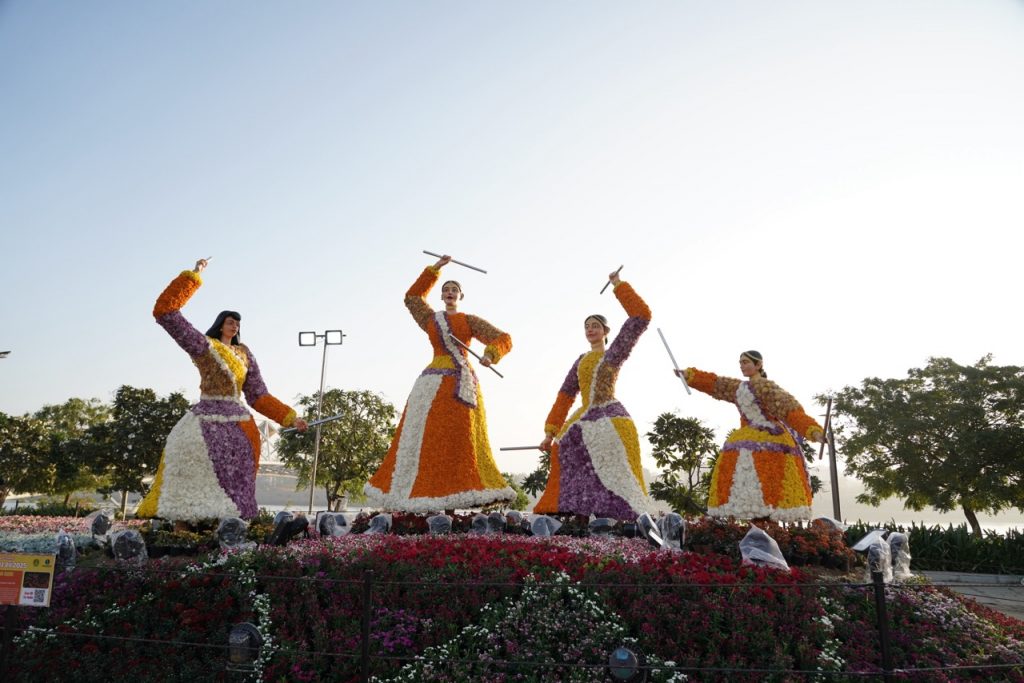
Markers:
<point>10,623</point>
<point>367,597</point>
<point>875,560</point>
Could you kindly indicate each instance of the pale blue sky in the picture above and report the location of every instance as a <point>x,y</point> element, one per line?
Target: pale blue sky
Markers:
<point>835,184</point>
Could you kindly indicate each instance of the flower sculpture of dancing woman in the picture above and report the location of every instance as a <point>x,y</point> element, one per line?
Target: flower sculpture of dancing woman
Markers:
<point>208,467</point>
<point>440,458</point>
<point>595,454</point>
<point>760,472</point>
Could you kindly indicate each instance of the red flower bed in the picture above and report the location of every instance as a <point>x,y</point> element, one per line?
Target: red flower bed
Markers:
<point>705,612</point>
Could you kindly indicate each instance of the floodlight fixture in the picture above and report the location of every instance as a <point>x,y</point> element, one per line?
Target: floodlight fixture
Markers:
<point>626,665</point>
<point>244,643</point>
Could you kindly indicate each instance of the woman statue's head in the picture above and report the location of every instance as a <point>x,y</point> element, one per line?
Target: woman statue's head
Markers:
<point>451,293</point>
<point>227,322</point>
<point>752,363</point>
<point>595,327</point>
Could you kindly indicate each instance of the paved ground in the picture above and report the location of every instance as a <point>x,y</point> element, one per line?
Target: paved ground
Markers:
<point>1001,592</point>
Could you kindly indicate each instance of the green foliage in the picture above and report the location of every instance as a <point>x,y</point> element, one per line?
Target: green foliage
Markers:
<point>955,548</point>
<point>86,444</point>
<point>948,436</point>
<point>532,627</point>
<point>535,481</point>
<point>685,450</point>
<point>351,447</point>
<point>127,448</point>
<point>67,425</point>
<point>53,509</point>
<point>522,500</point>
<point>25,465</point>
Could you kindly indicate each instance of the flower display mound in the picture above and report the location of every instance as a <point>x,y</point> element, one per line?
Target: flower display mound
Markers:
<point>491,608</point>
<point>38,534</point>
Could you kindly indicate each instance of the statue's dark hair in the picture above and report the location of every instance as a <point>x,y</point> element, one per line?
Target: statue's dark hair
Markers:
<point>215,328</point>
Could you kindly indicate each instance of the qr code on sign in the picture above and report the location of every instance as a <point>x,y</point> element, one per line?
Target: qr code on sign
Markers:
<point>39,595</point>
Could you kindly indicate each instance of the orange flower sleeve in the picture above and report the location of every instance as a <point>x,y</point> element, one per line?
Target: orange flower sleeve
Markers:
<point>721,388</point>
<point>805,425</point>
<point>177,294</point>
<point>631,301</point>
<point>556,418</point>
<point>277,411</point>
<point>498,343</point>
<point>700,380</point>
<point>415,298</point>
<point>564,400</point>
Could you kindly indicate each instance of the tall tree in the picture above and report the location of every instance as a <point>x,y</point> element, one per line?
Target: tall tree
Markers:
<point>351,447</point>
<point>25,466</point>
<point>67,427</point>
<point>685,450</point>
<point>947,436</point>
<point>129,445</point>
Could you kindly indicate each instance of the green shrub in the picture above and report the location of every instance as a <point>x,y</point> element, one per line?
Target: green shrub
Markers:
<point>955,548</point>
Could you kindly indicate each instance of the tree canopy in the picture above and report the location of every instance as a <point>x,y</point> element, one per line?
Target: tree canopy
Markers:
<point>685,450</point>
<point>24,451</point>
<point>351,447</point>
<point>84,444</point>
<point>129,445</point>
<point>67,426</point>
<point>947,436</point>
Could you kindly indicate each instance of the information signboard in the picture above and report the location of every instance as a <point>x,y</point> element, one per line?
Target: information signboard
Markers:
<point>26,579</point>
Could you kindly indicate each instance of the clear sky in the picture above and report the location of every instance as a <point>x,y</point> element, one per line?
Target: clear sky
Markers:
<point>837,185</point>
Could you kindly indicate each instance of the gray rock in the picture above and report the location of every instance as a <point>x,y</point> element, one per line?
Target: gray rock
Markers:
<point>380,524</point>
<point>495,523</point>
<point>332,524</point>
<point>439,524</point>
<point>478,525</point>
<point>545,526</point>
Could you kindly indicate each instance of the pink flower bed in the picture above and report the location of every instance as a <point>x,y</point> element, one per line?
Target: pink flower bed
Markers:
<point>472,601</point>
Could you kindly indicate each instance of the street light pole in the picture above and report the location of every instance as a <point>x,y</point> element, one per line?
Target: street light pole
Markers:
<point>331,338</point>
<point>829,439</point>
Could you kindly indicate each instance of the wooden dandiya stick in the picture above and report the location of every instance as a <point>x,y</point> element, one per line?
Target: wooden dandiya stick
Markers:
<point>477,355</point>
<point>316,422</point>
<point>609,281</point>
<point>674,363</point>
<point>430,253</point>
<point>519,448</point>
